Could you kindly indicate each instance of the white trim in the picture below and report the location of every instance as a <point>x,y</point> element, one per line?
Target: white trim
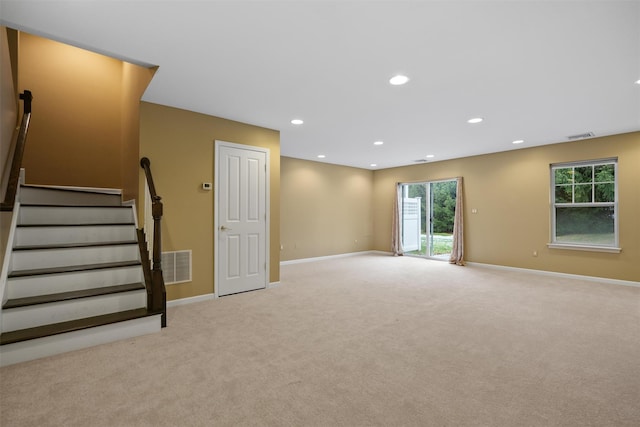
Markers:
<point>267,152</point>
<point>322,258</point>
<point>556,274</point>
<point>554,205</point>
<point>100,190</point>
<point>191,300</point>
<point>61,343</point>
<point>482,265</point>
<point>15,213</point>
<point>205,297</point>
<point>587,248</point>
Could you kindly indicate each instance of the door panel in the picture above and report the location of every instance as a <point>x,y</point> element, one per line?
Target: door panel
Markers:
<point>241,220</point>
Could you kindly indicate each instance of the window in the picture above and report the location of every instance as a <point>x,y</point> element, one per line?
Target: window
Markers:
<point>584,205</point>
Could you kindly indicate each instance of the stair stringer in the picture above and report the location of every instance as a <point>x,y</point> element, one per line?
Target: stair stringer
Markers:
<point>6,259</point>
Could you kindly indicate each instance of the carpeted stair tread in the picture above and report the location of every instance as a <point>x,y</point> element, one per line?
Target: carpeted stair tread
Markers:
<point>75,245</point>
<point>71,295</point>
<point>71,325</point>
<point>73,268</point>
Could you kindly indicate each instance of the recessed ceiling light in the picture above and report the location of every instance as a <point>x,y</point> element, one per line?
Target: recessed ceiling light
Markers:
<point>475,120</point>
<point>518,141</point>
<point>378,143</point>
<point>398,80</point>
<point>637,82</point>
<point>321,156</point>
<point>297,122</point>
<point>373,165</point>
<point>430,156</point>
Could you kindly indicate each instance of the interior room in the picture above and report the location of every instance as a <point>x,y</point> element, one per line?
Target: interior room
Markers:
<point>510,297</point>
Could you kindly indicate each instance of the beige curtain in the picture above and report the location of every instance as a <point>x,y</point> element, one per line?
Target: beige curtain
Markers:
<point>396,239</point>
<point>457,252</point>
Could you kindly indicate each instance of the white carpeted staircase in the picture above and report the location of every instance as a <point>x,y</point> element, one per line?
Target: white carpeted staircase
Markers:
<point>75,277</point>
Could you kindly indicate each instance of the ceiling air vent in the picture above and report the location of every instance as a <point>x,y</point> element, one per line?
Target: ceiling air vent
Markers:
<point>420,161</point>
<point>581,136</point>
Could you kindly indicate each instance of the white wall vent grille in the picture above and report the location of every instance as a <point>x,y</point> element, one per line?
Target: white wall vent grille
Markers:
<point>176,267</point>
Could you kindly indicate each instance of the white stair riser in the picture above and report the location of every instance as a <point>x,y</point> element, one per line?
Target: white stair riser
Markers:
<point>50,196</point>
<point>26,236</point>
<point>62,343</point>
<point>43,215</point>
<point>43,314</point>
<point>47,258</point>
<point>46,284</point>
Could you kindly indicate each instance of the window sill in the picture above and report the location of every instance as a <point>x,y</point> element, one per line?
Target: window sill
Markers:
<point>571,247</point>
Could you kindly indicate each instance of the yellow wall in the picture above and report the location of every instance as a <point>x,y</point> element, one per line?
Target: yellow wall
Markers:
<point>325,209</point>
<point>510,191</point>
<point>180,145</point>
<point>84,126</point>
<point>8,103</point>
<point>135,80</point>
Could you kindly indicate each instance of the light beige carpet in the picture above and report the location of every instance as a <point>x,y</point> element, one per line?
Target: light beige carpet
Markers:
<point>368,340</point>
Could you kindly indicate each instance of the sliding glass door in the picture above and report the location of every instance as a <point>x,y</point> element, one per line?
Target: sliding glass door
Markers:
<point>427,212</point>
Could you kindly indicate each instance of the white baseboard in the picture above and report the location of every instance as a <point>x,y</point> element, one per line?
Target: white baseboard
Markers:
<point>478,264</point>
<point>190,300</point>
<point>323,258</point>
<point>206,297</point>
<point>556,274</point>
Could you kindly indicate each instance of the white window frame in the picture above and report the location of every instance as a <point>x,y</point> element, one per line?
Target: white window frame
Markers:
<point>614,248</point>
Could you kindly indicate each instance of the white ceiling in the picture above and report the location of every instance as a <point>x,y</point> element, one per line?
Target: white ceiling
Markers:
<point>534,70</point>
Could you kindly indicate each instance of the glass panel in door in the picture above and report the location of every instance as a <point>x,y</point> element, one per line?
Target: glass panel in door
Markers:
<point>428,211</point>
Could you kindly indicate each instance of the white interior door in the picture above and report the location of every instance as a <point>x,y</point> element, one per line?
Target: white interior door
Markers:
<point>242,218</point>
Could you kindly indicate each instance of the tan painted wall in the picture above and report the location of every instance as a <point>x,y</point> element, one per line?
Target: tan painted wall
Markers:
<point>8,122</point>
<point>8,104</point>
<point>84,128</point>
<point>325,209</point>
<point>135,80</point>
<point>180,145</point>
<point>510,190</point>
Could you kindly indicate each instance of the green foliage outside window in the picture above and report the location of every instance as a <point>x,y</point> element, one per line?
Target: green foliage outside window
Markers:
<point>444,204</point>
<point>584,203</point>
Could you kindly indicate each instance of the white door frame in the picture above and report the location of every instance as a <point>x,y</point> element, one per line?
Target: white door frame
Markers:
<point>216,227</point>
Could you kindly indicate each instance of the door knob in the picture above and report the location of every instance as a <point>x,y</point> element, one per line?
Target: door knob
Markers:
<point>223,228</point>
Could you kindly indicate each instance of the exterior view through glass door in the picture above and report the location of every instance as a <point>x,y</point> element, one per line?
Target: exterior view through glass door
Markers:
<point>427,212</point>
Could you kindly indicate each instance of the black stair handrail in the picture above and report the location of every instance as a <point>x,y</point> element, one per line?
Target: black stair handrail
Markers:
<point>158,298</point>
<point>18,152</point>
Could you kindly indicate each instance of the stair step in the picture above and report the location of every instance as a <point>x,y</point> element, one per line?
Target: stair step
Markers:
<point>28,286</point>
<point>72,268</point>
<point>74,215</point>
<point>33,234</point>
<point>32,316</point>
<point>66,296</point>
<point>60,257</point>
<point>73,245</point>
<point>35,194</point>
<point>70,326</point>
